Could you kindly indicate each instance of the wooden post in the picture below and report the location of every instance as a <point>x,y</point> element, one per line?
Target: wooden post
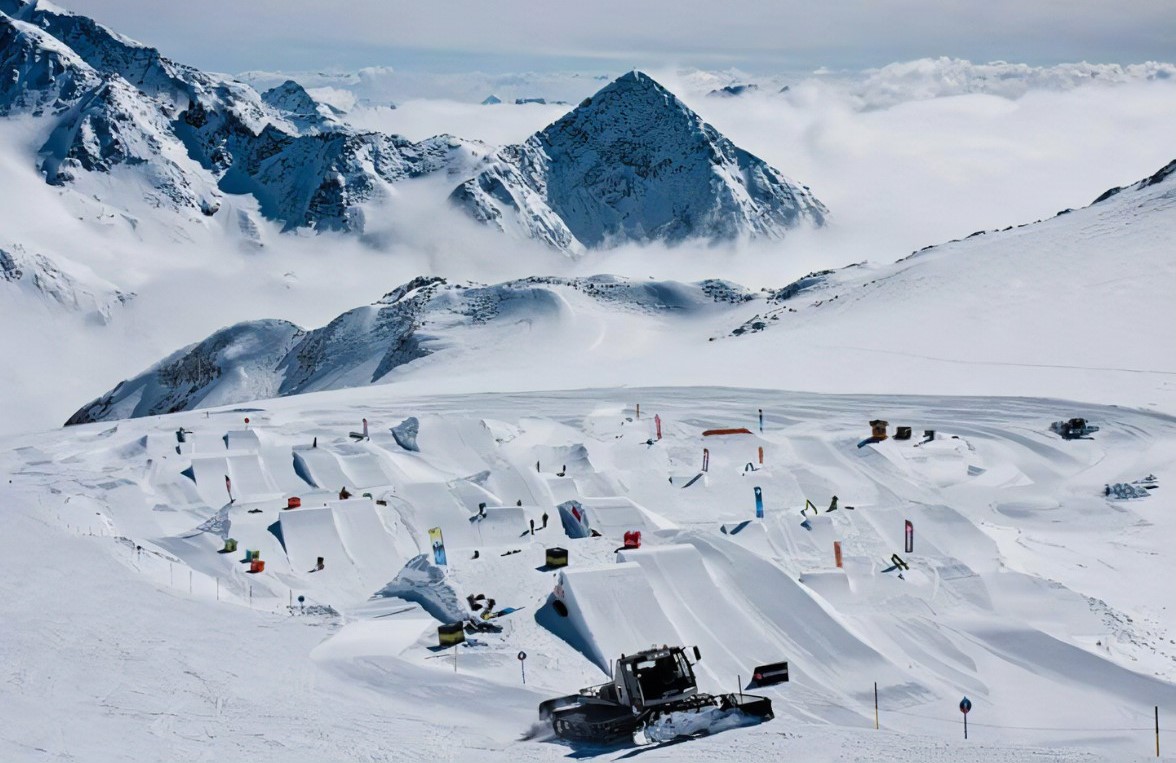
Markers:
<point>875,705</point>
<point>638,410</point>
<point>761,455</point>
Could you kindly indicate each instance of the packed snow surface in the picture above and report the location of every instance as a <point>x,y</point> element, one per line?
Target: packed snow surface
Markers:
<point>1028,590</point>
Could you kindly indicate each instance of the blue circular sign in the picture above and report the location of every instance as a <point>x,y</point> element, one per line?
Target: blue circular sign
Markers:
<point>965,705</point>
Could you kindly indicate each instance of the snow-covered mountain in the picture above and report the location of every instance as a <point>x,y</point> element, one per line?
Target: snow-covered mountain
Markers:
<point>1079,301</point>
<point>38,276</point>
<point>271,358</point>
<point>633,163</point>
<point>185,138</point>
<point>298,107</point>
<point>1085,278</point>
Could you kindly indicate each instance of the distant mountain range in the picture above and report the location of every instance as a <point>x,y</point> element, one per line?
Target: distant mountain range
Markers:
<point>630,164</point>
<point>1081,288</point>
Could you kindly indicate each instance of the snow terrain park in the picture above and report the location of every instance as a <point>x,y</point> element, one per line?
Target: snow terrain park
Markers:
<point>543,407</point>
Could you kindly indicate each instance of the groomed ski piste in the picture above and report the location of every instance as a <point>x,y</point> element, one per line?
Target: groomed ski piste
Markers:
<point>131,634</point>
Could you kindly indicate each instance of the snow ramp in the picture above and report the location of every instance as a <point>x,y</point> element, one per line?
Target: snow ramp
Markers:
<point>367,541</point>
<point>732,638</point>
<point>364,470</point>
<point>614,611</point>
<point>502,525</point>
<point>613,516</point>
<point>823,649</point>
<point>310,533</point>
<point>209,473</point>
<point>242,439</point>
<point>320,467</point>
<point>250,480</point>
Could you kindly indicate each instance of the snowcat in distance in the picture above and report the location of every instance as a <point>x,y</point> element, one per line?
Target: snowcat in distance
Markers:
<point>654,693</point>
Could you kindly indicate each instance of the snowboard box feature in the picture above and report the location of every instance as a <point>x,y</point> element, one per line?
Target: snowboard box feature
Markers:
<point>557,557</point>
<point>902,433</point>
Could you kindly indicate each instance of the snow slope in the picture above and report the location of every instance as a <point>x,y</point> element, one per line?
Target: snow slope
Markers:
<point>415,320</point>
<point>633,163</point>
<point>1028,590</point>
<point>997,312</point>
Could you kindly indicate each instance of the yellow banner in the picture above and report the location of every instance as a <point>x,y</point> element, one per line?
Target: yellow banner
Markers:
<point>438,544</point>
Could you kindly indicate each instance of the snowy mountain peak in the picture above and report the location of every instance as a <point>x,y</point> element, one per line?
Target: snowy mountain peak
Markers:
<point>634,163</point>
<point>304,114</point>
<point>38,73</point>
<point>182,139</point>
<point>290,97</point>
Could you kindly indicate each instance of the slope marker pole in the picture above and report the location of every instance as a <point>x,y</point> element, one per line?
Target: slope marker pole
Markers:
<point>875,705</point>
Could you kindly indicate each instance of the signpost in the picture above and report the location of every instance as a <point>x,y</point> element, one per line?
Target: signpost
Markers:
<point>523,665</point>
<point>965,706</point>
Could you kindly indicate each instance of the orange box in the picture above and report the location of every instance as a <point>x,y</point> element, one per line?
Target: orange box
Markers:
<point>257,565</point>
<point>293,503</point>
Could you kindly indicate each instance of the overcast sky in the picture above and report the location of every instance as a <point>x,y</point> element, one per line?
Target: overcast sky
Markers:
<point>755,35</point>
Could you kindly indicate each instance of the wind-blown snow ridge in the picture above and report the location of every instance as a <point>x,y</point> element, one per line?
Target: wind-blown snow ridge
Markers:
<point>633,163</point>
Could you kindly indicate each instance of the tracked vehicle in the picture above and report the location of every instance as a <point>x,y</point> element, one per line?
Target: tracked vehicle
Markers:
<point>653,694</point>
